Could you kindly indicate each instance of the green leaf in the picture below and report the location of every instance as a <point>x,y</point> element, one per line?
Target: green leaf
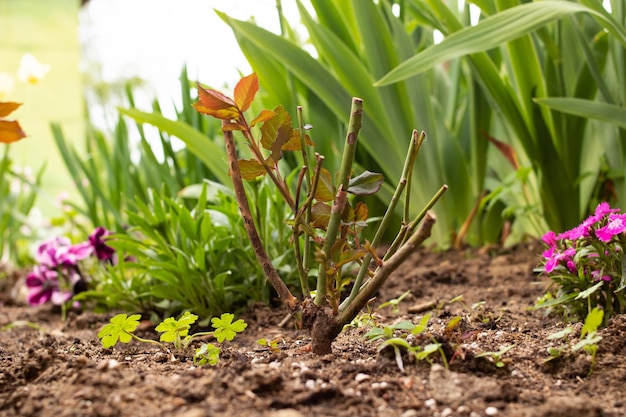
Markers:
<point>207,354</point>
<point>202,147</point>
<point>592,322</point>
<point>173,329</point>
<point>589,291</point>
<point>492,32</point>
<point>561,334</point>
<point>366,183</point>
<point>225,329</point>
<point>120,327</point>
<point>587,109</point>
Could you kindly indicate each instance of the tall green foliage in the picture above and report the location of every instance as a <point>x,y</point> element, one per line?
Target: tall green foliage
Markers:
<point>546,67</point>
<point>356,43</point>
<point>114,170</point>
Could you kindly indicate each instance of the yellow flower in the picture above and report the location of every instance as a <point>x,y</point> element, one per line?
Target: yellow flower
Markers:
<point>31,71</point>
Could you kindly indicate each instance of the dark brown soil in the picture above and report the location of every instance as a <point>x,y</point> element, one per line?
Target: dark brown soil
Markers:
<point>63,370</point>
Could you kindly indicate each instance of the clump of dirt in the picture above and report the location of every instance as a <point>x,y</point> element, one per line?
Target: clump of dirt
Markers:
<point>62,370</point>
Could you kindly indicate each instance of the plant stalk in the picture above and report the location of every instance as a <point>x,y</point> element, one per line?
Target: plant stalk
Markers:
<point>240,194</point>
<point>354,127</point>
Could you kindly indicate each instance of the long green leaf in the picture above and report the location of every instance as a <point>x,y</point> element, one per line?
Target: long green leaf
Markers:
<point>587,108</point>
<point>206,150</point>
<point>494,31</point>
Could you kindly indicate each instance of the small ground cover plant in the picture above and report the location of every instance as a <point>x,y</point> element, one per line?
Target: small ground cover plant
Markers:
<point>175,331</point>
<point>395,337</point>
<point>327,219</point>
<point>588,340</point>
<point>586,266</point>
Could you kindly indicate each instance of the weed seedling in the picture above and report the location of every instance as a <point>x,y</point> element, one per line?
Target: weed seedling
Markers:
<point>393,303</point>
<point>175,331</point>
<point>400,342</point>
<point>496,356</point>
<point>588,341</point>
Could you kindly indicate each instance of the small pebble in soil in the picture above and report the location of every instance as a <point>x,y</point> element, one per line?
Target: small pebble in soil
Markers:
<point>446,412</point>
<point>107,364</point>
<point>491,411</point>
<point>430,403</point>
<point>360,377</point>
<point>410,413</point>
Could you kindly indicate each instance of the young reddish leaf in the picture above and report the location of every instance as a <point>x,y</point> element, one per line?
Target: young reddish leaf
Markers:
<point>325,190</point>
<point>505,149</point>
<point>366,183</point>
<point>8,107</point>
<point>216,104</point>
<point>320,214</point>
<point>10,131</point>
<point>294,143</point>
<point>251,169</point>
<point>269,130</point>
<point>361,212</point>
<point>232,126</point>
<point>282,136</point>
<point>264,116</point>
<point>245,90</point>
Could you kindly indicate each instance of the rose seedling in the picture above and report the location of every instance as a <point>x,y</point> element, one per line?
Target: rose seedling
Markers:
<point>175,331</point>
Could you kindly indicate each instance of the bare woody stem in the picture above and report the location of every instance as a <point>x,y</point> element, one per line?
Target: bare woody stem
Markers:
<point>354,127</point>
<point>240,194</point>
<point>368,291</point>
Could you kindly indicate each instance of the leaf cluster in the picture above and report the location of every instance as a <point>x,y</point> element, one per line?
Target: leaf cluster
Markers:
<point>175,331</point>
<point>395,337</point>
<point>588,340</point>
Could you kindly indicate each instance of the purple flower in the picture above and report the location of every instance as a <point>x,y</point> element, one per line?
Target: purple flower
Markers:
<point>48,251</point>
<point>43,286</point>
<point>549,238</point>
<point>597,276</point>
<point>616,225</point>
<point>553,257</point>
<point>101,249</point>
<point>59,251</point>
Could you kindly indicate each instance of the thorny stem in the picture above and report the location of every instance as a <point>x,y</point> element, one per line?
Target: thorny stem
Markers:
<point>414,147</point>
<point>240,194</point>
<point>307,216</point>
<point>354,126</point>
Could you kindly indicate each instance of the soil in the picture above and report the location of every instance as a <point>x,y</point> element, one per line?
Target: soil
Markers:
<point>62,370</point>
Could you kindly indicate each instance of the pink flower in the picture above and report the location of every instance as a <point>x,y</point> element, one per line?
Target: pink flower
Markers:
<point>597,276</point>
<point>97,240</point>
<point>554,257</point>
<point>616,225</point>
<point>43,286</point>
<point>549,238</point>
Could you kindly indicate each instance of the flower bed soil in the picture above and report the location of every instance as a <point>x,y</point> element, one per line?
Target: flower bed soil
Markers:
<point>63,371</point>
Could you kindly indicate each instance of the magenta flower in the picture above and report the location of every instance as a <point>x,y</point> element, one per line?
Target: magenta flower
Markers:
<point>616,225</point>
<point>597,276</point>
<point>43,286</point>
<point>549,238</point>
<point>97,241</point>
<point>554,257</point>
<point>59,251</point>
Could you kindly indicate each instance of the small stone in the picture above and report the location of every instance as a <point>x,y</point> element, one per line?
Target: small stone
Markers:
<point>410,413</point>
<point>310,384</point>
<point>107,364</point>
<point>360,377</point>
<point>491,411</point>
<point>194,412</point>
<point>430,403</point>
<point>446,412</point>
<point>287,412</point>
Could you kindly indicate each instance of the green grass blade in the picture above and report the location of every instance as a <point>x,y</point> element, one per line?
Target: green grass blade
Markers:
<point>587,108</point>
<point>493,32</point>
